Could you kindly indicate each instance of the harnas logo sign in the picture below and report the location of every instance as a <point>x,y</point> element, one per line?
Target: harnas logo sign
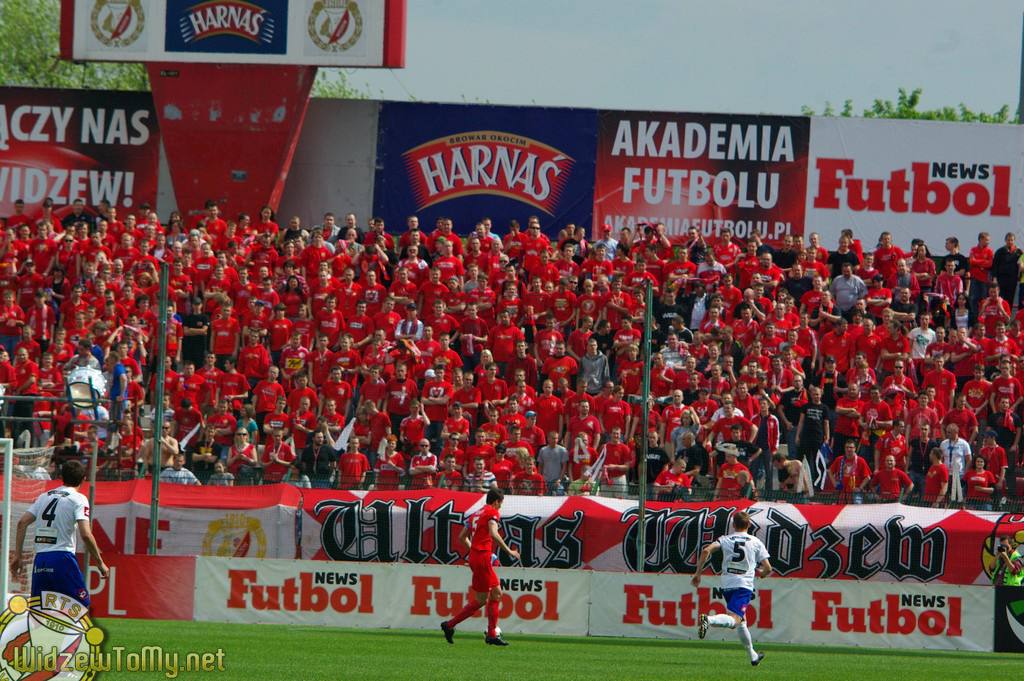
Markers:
<point>488,162</point>
<point>229,26</point>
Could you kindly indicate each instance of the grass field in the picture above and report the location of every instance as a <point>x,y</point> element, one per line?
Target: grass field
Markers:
<point>265,652</point>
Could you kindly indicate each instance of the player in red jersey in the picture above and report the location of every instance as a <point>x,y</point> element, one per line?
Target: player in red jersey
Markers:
<point>483,527</point>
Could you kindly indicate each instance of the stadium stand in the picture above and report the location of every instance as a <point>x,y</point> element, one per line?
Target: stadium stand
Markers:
<point>354,356</point>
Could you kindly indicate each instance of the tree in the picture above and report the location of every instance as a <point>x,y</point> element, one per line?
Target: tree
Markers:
<point>30,57</point>
<point>906,107</point>
<point>30,53</point>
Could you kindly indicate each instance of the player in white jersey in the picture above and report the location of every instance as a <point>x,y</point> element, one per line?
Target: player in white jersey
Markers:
<point>743,557</point>
<point>60,512</point>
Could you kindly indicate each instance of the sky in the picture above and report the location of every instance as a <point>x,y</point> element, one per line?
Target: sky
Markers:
<point>770,56</point>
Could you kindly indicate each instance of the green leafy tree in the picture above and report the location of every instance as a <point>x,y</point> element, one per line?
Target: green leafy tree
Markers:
<point>906,107</point>
<point>30,53</point>
<point>30,57</point>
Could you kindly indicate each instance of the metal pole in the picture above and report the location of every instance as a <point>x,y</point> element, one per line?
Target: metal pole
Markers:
<point>1020,95</point>
<point>158,398</point>
<point>93,462</point>
<point>645,396</point>
<point>5,541</point>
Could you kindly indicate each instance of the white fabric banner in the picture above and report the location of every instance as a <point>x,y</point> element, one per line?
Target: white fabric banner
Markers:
<point>925,179</point>
<point>805,611</point>
<point>390,595</point>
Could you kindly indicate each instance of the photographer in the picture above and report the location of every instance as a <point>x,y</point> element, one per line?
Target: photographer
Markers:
<point>1009,569</point>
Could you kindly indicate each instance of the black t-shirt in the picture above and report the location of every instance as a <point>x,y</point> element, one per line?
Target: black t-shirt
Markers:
<point>657,459</point>
<point>815,418</point>
<point>904,308</point>
<point>836,260</point>
<point>663,316</point>
<point>829,385</point>
<point>789,409</point>
<point>696,455</point>
<point>1006,428</point>
<point>605,341</point>
<point>961,260</point>
<point>919,451</point>
<point>784,259</point>
<point>316,463</point>
<point>193,345</point>
<point>745,448</point>
<point>798,287</point>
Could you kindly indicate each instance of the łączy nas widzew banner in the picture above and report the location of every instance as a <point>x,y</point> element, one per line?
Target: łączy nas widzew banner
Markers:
<point>77,144</point>
<point>705,171</point>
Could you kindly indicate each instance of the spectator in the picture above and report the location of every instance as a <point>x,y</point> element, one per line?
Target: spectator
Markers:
<point>177,473</point>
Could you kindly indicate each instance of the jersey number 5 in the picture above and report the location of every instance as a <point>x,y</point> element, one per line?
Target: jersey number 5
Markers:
<point>738,552</point>
<point>50,513</point>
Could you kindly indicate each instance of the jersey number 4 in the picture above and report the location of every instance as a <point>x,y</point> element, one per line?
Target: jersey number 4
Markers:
<point>739,553</point>
<point>50,513</point>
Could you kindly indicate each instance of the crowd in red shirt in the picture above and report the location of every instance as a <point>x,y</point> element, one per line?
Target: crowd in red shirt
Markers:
<point>413,345</point>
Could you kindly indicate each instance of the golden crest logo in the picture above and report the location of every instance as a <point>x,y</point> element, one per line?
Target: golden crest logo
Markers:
<point>117,23</point>
<point>52,635</point>
<point>335,25</point>
<point>236,535</point>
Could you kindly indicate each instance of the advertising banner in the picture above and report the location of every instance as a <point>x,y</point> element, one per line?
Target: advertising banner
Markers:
<point>196,521</point>
<point>384,595</point>
<point>924,179</point>
<point>703,171</point>
<point>297,32</point>
<point>1009,619</point>
<point>77,144</point>
<point>143,587</point>
<point>882,542</point>
<point>467,162</point>
<point>876,614</point>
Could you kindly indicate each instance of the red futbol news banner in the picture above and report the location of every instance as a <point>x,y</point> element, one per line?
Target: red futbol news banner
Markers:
<point>706,171</point>
<point>77,144</point>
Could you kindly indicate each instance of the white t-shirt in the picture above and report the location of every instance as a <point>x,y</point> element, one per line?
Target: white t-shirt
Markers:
<point>741,554</point>
<point>57,513</point>
<point>919,342</point>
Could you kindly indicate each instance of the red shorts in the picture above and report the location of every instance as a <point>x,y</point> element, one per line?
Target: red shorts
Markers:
<point>484,576</point>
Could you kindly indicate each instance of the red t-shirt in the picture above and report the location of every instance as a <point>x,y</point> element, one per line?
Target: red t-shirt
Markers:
<point>890,483</point>
<point>479,526</point>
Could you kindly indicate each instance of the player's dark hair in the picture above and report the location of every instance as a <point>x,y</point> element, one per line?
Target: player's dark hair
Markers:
<point>72,473</point>
<point>493,494</point>
<point>741,521</point>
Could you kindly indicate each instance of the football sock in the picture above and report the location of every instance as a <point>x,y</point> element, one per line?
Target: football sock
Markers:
<point>744,634</point>
<point>467,611</point>
<point>492,618</point>
<point>722,621</point>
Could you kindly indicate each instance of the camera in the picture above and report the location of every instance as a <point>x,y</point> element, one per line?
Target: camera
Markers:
<point>1001,549</point>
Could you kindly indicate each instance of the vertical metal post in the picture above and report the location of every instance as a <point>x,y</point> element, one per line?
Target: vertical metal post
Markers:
<point>645,396</point>
<point>158,401</point>
<point>1020,95</point>
<point>93,461</point>
<point>5,541</point>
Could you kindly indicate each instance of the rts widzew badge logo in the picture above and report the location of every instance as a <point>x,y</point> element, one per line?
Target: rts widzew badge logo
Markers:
<point>488,162</point>
<point>117,23</point>
<point>236,535</point>
<point>335,25</point>
<point>48,637</point>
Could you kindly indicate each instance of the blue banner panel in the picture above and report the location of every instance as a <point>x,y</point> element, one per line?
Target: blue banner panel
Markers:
<point>227,26</point>
<point>467,161</point>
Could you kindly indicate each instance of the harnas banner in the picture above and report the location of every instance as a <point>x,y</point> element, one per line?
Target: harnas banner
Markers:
<point>77,144</point>
<point>883,542</point>
<point>467,162</point>
<point>706,171</point>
